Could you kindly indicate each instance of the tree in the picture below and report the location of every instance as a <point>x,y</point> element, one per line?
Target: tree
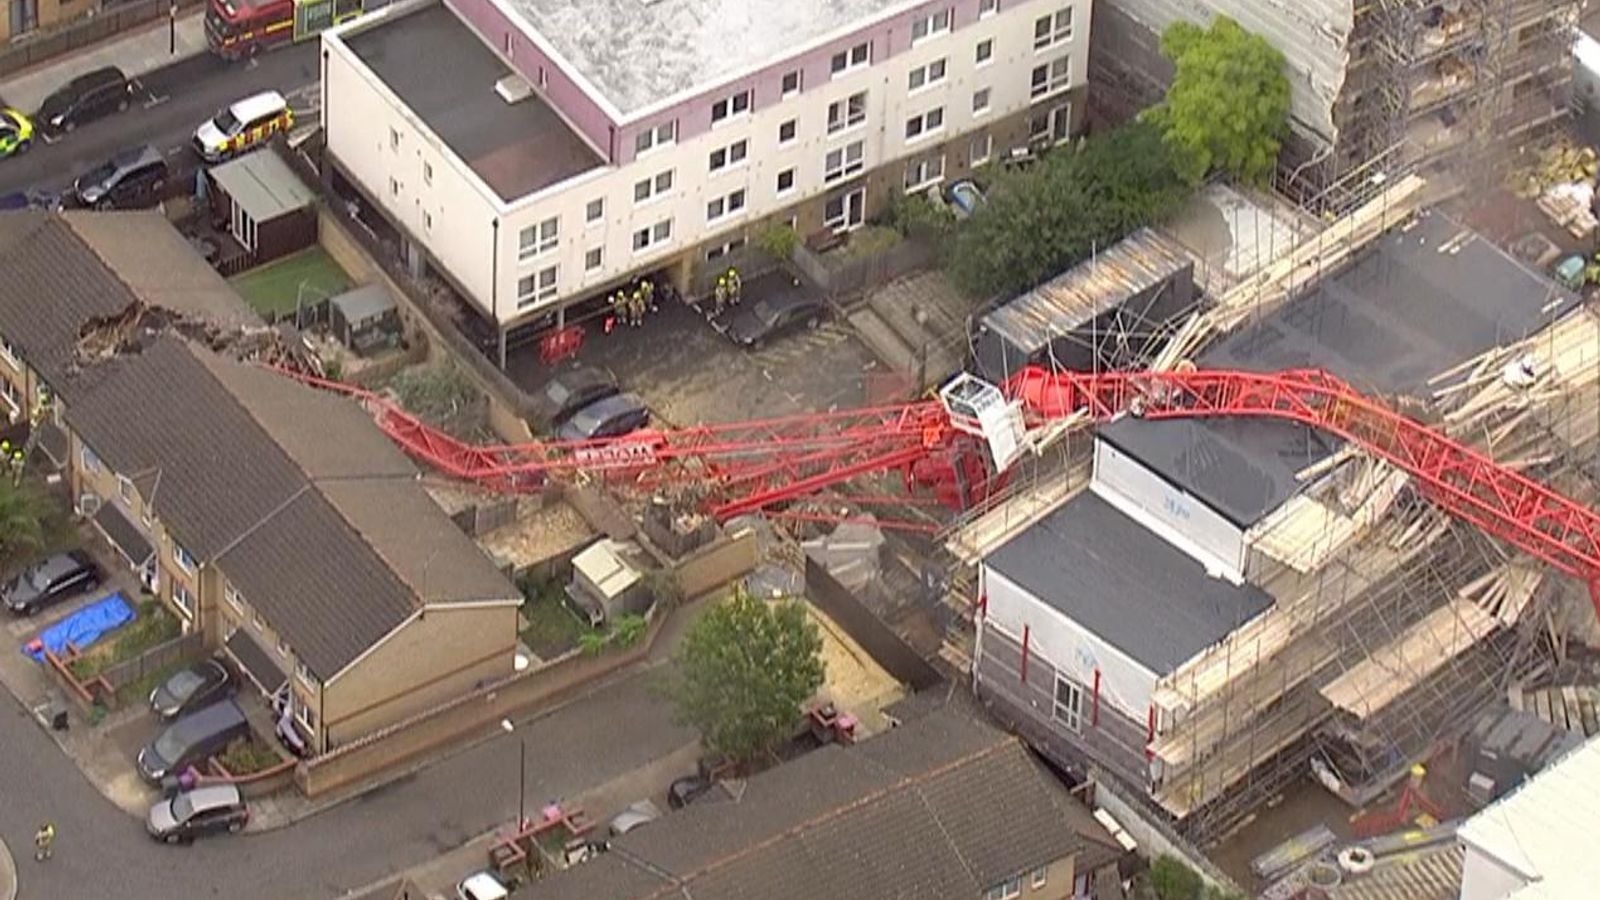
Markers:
<point>1228,107</point>
<point>744,670</point>
<point>23,513</point>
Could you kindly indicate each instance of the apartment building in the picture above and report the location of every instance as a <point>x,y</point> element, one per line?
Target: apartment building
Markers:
<point>274,519</point>
<point>536,153</point>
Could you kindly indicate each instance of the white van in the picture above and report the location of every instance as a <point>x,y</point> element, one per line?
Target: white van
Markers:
<point>249,122</point>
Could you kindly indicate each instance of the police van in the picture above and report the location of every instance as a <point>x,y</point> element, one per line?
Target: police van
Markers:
<point>247,123</point>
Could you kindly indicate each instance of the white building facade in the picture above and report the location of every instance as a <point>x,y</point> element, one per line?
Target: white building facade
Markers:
<point>819,134</point>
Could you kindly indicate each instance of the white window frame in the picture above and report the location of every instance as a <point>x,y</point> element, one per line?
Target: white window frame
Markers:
<point>931,25</point>
<point>594,259</point>
<point>843,222</point>
<point>850,59</point>
<point>982,102</point>
<point>733,156</point>
<point>1039,878</point>
<point>592,218</point>
<point>975,158</point>
<point>1069,710</point>
<point>845,114</point>
<point>182,599</point>
<point>9,354</point>
<point>304,714</point>
<point>302,672</point>
<point>851,159</point>
<point>654,138</point>
<point>927,171</point>
<point>656,236</point>
<point>234,598</point>
<point>927,75</point>
<point>731,204</point>
<point>729,107</point>
<point>656,187</point>
<point>125,489</point>
<point>794,132</point>
<point>786,191</point>
<point>1055,82</point>
<point>983,53</point>
<point>182,558</point>
<point>1057,29</point>
<point>1049,117</point>
<point>539,287</point>
<point>12,398</point>
<point>541,242</point>
<point>987,8</point>
<point>925,124</point>
<point>724,248</point>
<point>784,91</point>
<point>87,457</point>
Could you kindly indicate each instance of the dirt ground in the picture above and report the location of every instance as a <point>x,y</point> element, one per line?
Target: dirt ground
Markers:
<point>854,681</point>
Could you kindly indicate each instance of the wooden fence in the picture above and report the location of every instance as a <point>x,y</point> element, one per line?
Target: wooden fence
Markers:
<point>840,278</point>
<point>879,640</point>
<point>183,648</point>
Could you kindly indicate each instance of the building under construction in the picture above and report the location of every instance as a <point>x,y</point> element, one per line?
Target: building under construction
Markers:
<point>1205,611</point>
<point>1379,87</point>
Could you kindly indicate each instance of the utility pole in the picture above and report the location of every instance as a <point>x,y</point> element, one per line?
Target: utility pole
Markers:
<point>522,773</point>
<point>172,28</point>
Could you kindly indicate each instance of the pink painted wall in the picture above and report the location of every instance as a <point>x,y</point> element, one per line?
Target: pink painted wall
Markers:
<point>559,90</point>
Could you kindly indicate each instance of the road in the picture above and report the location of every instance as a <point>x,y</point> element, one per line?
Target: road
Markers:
<point>172,102</point>
<point>100,852</point>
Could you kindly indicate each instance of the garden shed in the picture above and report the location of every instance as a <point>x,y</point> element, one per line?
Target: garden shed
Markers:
<point>264,205</point>
<point>365,318</point>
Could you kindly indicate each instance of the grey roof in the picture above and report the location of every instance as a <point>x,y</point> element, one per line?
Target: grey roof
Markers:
<point>263,185</point>
<point>256,661</point>
<point>364,302</point>
<point>637,54</point>
<point>443,72</point>
<point>1425,298</point>
<point>1133,265</point>
<point>127,537</point>
<point>1160,613</point>
<point>942,807</point>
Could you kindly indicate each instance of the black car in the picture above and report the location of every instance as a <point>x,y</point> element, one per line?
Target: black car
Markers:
<point>569,390</point>
<point>754,324</point>
<point>612,416</point>
<point>202,810</point>
<point>687,790</point>
<point>191,739</point>
<point>192,687</point>
<point>84,99</point>
<point>132,179</point>
<point>49,581</point>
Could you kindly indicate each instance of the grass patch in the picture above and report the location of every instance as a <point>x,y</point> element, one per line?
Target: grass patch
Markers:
<point>152,626</point>
<point>247,756</point>
<point>870,240</point>
<point>549,627</point>
<point>274,288</point>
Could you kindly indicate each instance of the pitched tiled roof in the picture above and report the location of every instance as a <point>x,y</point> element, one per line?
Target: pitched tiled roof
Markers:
<point>52,286</point>
<point>942,807</point>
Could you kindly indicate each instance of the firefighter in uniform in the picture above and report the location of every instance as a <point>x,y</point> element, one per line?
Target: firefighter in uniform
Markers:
<point>721,293</point>
<point>619,306</point>
<point>648,288</point>
<point>734,286</point>
<point>44,841</point>
<point>636,308</point>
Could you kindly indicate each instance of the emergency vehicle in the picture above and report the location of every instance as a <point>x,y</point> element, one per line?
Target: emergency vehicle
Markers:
<point>245,124</point>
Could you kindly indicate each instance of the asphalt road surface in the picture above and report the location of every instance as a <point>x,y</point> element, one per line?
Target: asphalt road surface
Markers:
<point>102,853</point>
<point>170,104</point>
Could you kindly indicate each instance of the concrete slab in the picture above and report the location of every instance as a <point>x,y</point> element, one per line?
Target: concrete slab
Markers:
<point>135,53</point>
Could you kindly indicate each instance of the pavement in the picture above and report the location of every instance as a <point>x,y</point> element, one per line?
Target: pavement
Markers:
<point>135,53</point>
<point>8,874</point>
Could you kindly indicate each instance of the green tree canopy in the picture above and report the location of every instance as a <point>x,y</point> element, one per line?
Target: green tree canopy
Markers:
<point>23,513</point>
<point>1228,107</point>
<point>744,670</point>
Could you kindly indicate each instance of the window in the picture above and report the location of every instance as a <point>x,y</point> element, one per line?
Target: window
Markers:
<point>847,113</point>
<point>785,181</point>
<point>1005,890</point>
<point>925,124</point>
<point>1051,77</point>
<point>595,211</point>
<point>91,463</point>
<point>235,599</point>
<point>925,75</point>
<point>1068,703</point>
<point>731,155</point>
<point>659,136</point>
<point>845,211</point>
<point>930,26</point>
<point>9,354</point>
<point>305,676</point>
<point>394,139</point>
<point>427,173</point>
<point>125,488</point>
<point>651,188</point>
<point>844,161</point>
<point>536,240</point>
<point>303,712</point>
<point>724,249</point>
<point>1052,29</point>
<point>654,236</point>
<point>283,648</point>
<point>538,287</point>
<point>1054,124</point>
<point>985,51</point>
<point>987,8</point>
<point>921,173</point>
<point>182,557</point>
<point>737,105</point>
<point>183,599</point>
<point>725,206</point>
<point>980,101</point>
<point>787,132</point>
<point>593,259</point>
<point>1038,878</point>
<point>849,60</point>
<point>791,84</point>
<point>979,148</point>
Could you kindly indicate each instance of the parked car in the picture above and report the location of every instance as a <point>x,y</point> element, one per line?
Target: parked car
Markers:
<point>569,390</point>
<point>132,179</point>
<point>202,810</point>
<point>242,125</point>
<point>16,132</point>
<point>193,687</point>
<point>610,416</point>
<point>84,99</point>
<point>50,581</point>
<point>753,324</point>
<point>687,790</point>
<point>30,199</point>
<point>191,739</point>
<point>642,813</point>
<point>481,886</point>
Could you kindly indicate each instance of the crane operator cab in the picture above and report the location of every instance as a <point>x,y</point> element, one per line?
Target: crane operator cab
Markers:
<point>978,408</point>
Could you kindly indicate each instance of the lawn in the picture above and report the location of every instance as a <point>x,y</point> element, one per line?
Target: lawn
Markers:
<point>549,627</point>
<point>310,275</point>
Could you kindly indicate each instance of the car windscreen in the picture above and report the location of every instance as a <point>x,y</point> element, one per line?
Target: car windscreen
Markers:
<point>767,312</point>
<point>185,683</point>
<point>169,746</point>
<point>182,807</point>
<point>225,122</point>
<point>41,577</point>
<point>587,420</point>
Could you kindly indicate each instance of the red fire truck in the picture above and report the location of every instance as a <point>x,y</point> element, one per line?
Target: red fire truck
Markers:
<point>239,28</point>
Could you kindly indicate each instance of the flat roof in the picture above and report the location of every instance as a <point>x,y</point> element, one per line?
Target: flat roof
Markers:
<point>1161,612</point>
<point>445,74</point>
<point>1425,298</point>
<point>263,185</point>
<point>637,53</point>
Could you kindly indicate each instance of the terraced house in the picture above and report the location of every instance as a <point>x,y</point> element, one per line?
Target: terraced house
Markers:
<point>536,153</point>
<point>277,520</point>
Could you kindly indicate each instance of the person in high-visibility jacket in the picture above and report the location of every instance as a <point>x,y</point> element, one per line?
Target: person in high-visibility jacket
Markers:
<point>721,293</point>
<point>734,286</point>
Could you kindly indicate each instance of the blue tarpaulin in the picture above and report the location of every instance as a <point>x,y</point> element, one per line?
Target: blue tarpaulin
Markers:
<point>83,627</point>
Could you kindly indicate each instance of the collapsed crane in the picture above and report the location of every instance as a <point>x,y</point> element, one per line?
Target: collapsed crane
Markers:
<point>960,446</point>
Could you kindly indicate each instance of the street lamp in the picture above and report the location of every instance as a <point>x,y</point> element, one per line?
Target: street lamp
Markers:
<point>522,773</point>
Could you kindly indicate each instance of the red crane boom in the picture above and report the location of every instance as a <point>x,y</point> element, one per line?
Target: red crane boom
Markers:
<point>748,466</point>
